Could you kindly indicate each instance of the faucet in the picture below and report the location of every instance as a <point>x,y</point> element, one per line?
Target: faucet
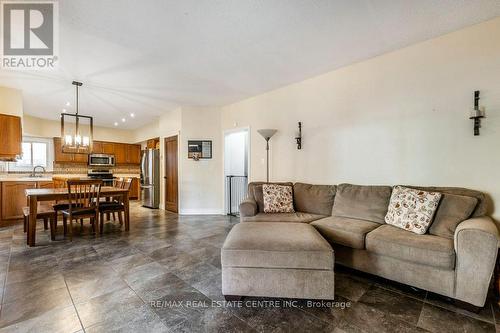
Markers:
<point>33,174</point>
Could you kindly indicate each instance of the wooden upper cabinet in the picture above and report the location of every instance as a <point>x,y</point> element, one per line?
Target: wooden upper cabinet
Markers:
<point>70,157</point>
<point>97,147</point>
<point>59,156</point>
<point>108,148</point>
<point>80,158</point>
<point>133,154</point>
<point>124,153</point>
<point>120,153</point>
<point>11,137</point>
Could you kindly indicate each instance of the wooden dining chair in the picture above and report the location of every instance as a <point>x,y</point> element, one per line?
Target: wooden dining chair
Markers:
<point>116,205</point>
<point>83,197</point>
<point>47,214</point>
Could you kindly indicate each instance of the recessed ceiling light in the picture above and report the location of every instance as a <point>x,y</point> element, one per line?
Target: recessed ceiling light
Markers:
<point>123,120</point>
<point>68,103</point>
<point>132,115</point>
<point>116,124</point>
<point>64,110</point>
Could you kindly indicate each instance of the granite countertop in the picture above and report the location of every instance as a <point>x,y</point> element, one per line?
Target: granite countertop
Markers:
<point>24,179</point>
<point>48,178</point>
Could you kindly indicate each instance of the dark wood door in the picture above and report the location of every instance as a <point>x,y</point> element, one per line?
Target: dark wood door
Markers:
<point>171,174</point>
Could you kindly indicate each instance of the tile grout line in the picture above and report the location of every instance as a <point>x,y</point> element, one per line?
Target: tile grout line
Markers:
<point>74,306</point>
<point>135,292</point>
<point>6,274</point>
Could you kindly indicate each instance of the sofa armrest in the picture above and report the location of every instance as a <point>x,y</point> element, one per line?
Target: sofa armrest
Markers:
<point>248,207</point>
<point>476,247</point>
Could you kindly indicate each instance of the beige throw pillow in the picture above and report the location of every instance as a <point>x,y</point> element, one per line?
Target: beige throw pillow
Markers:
<point>277,198</point>
<point>452,210</point>
<point>411,209</point>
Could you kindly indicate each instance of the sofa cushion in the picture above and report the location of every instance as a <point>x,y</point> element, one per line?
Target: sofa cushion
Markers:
<point>412,210</point>
<point>452,210</point>
<point>278,198</point>
<point>314,199</point>
<point>276,245</point>
<point>255,192</point>
<point>482,206</point>
<point>422,249</point>
<point>345,231</point>
<point>297,217</point>
<point>362,202</point>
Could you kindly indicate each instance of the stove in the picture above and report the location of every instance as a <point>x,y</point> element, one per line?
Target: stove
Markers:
<point>105,175</point>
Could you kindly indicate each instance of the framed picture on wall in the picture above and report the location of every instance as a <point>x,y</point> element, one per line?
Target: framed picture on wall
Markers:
<point>199,149</point>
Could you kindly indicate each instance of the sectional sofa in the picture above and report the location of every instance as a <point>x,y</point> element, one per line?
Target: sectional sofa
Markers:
<point>453,259</point>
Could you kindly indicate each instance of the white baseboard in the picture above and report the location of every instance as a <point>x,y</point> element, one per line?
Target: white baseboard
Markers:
<point>202,211</point>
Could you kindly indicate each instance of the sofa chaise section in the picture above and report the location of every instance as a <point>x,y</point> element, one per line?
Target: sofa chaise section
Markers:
<point>289,260</point>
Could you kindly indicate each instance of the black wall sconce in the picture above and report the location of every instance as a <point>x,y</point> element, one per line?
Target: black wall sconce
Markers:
<point>477,113</point>
<point>299,137</point>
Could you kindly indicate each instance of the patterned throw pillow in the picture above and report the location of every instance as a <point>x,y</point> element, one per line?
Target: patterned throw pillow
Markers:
<point>277,198</point>
<point>412,210</point>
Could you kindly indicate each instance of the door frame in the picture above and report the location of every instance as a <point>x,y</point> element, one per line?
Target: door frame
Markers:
<point>165,140</point>
<point>249,165</point>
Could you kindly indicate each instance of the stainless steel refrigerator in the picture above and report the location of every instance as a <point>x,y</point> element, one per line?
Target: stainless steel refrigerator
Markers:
<point>150,178</point>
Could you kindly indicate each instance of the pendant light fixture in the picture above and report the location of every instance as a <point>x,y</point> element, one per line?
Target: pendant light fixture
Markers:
<point>76,130</point>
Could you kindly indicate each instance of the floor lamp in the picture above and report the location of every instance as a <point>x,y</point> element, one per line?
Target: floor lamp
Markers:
<point>267,135</point>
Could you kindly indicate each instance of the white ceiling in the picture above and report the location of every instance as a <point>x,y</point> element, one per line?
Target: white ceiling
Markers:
<point>149,56</point>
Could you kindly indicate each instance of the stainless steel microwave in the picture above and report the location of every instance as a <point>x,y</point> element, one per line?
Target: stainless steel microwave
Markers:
<point>101,160</point>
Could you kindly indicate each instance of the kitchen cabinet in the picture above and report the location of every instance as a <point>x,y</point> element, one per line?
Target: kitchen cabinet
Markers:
<point>10,137</point>
<point>59,156</point>
<point>124,153</point>
<point>67,157</point>
<point>120,153</point>
<point>134,189</point>
<point>97,147</point>
<point>80,158</point>
<point>153,143</point>
<point>133,154</point>
<point>14,199</point>
<point>108,148</point>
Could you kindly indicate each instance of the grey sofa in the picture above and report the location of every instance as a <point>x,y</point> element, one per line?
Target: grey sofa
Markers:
<point>456,258</point>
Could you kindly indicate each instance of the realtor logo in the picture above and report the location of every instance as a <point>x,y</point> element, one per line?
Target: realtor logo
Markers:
<point>30,35</point>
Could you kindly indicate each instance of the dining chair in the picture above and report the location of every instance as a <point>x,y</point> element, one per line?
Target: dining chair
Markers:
<point>61,205</point>
<point>116,205</point>
<point>83,197</point>
<point>118,183</point>
<point>44,212</point>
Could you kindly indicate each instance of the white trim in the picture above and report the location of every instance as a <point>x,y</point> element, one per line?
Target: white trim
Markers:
<point>203,211</point>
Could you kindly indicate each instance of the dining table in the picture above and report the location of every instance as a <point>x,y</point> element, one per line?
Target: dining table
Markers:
<point>34,196</point>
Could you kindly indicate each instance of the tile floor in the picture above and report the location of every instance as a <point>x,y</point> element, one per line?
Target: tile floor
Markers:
<point>130,282</point>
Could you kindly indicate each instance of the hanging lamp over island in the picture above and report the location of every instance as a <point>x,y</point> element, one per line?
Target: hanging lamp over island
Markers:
<point>76,130</point>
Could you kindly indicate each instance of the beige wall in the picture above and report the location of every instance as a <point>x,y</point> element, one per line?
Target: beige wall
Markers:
<point>201,184</point>
<point>11,102</point>
<point>200,187</point>
<point>146,132</point>
<point>33,126</point>
<point>400,118</point>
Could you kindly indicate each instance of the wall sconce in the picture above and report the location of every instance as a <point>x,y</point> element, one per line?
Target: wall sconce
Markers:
<point>477,113</point>
<point>299,137</point>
